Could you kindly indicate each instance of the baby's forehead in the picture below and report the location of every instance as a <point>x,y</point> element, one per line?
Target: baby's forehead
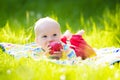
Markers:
<point>48,30</point>
<point>46,20</point>
<point>46,25</point>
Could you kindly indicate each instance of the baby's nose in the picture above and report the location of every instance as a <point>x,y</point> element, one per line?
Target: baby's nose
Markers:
<point>50,40</point>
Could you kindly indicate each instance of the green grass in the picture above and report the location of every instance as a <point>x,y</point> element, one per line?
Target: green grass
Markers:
<point>101,25</point>
<point>28,69</point>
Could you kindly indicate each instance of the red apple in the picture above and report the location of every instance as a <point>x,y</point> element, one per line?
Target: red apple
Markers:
<point>55,46</point>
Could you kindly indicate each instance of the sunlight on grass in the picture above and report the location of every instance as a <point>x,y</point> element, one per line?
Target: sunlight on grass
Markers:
<point>14,36</point>
<point>68,27</point>
<point>106,34</point>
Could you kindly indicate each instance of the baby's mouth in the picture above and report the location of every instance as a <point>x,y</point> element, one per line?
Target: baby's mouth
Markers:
<point>49,43</point>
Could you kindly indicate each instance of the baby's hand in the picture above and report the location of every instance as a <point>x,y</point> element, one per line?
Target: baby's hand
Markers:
<point>57,55</point>
<point>55,50</point>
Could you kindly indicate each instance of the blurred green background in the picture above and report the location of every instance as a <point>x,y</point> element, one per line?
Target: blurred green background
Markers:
<point>66,10</point>
<point>99,18</point>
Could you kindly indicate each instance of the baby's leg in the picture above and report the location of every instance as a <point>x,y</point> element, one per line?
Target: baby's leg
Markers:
<point>67,34</point>
<point>81,47</point>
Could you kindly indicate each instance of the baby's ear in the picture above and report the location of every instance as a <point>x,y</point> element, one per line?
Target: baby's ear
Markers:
<point>81,32</point>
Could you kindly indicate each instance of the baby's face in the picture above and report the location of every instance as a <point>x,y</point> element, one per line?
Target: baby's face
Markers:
<point>47,34</point>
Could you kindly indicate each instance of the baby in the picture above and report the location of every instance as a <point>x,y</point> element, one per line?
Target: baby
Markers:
<point>47,30</point>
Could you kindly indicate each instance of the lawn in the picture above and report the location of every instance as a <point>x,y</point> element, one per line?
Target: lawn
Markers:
<point>99,19</point>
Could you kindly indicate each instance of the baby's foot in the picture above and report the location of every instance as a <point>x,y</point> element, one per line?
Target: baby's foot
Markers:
<point>80,32</point>
<point>68,34</point>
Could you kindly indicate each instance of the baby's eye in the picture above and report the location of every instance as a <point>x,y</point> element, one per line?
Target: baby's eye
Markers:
<point>54,34</point>
<point>44,36</point>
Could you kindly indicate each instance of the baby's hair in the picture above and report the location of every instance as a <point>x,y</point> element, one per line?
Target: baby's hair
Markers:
<point>44,21</point>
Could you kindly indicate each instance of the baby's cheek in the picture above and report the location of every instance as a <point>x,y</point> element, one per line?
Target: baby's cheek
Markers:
<point>41,43</point>
<point>58,38</point>
<point>45,45</point>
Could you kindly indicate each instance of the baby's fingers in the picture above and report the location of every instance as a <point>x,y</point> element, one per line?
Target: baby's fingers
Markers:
<point>57,52</point>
